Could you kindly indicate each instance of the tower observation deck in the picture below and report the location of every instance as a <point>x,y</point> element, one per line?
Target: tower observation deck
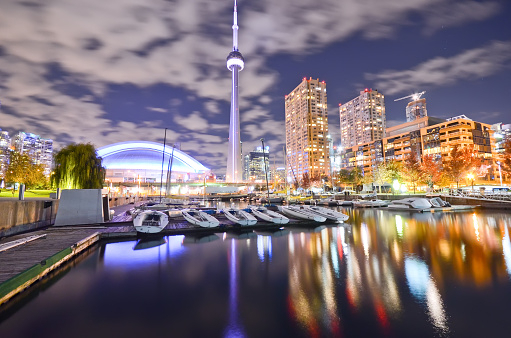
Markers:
<point>235,63</point>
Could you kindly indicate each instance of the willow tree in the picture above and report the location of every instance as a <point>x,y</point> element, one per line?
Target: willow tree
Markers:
<point>78,166</point>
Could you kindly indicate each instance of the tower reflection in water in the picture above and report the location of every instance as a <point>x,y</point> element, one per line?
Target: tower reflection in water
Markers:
<point>234,327</point>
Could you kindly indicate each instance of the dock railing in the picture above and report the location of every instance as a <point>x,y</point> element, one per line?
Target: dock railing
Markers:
<point>478,195</point>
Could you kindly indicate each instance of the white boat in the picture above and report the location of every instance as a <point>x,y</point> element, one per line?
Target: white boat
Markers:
<point>269,215</point>
<point>200,218</point>
<point>372,203</point>
<point>238,216</point>
<point>300,212</point>
<point>412,203</point>
<point>328,213</point>
<point>150,221</point>
<point>437,202</point>
<point>367,195</point>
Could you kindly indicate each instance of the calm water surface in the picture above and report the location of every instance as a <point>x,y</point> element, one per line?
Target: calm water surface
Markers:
<point>383,274</point>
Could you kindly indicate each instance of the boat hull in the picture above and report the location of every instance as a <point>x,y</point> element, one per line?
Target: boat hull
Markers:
<point>240,217</point>
<point>150,221</point>
<point>269,216</point>
<point>200,218</point>
<point>376,203</point>
<point>415,203</point>
<point>300,212</point>
<point>329,214</point>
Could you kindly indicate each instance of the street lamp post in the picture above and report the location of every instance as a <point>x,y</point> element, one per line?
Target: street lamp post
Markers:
<point>265,172</point>
<point>204,190</point>
<point>471,177</point>
<point>162,162</point>
<point>500,173</point>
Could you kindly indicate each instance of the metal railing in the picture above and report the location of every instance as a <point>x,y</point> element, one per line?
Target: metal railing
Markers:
<point>479,195</point>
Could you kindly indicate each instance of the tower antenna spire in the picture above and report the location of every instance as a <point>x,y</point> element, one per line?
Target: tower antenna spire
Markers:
<point>235,27</point>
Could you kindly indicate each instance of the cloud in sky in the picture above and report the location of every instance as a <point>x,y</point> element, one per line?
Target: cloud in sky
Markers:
<point>442,71</point>
<point>449,14</point>
<point>183,44</point>
<point>193,121</point>
<point>157,109</point>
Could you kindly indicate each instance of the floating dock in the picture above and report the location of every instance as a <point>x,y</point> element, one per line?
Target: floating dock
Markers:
<point>452,208</point>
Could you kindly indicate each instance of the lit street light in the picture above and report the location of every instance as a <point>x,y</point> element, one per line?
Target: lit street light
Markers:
<point>500,173</point>
<point>471,177</point>
<point>266,172</point>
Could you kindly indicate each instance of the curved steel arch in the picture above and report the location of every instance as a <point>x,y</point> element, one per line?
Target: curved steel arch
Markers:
<point>120,147</point>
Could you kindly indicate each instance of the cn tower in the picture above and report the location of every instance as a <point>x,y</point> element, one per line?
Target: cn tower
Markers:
<point>235,64</point>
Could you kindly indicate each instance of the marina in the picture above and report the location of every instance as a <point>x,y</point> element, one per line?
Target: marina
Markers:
<point>370,251</point>
<point>143,210</point>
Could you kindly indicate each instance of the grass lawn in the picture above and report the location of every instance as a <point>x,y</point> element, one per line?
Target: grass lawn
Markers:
<point>28,193</point>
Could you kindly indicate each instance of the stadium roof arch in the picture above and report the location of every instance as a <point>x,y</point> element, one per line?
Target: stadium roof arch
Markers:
<point>140,155</point>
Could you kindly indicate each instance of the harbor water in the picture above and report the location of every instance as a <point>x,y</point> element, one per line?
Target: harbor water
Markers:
<point>382,274</point>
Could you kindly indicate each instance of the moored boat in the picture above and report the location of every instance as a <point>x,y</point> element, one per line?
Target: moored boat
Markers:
<point>301,212</point>
<point>328,213</point>
<point>239,216</point>
<point>437,202</point>
<point>372,203</point>
<point>200,218</point>
<point>150,221</point>
<point>412,203</point>
<point>268,215</point>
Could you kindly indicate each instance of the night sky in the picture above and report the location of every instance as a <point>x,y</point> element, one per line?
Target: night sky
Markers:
<point>119,70</point>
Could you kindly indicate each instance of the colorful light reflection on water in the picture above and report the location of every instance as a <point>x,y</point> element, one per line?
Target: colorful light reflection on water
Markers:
<point>382,274</point>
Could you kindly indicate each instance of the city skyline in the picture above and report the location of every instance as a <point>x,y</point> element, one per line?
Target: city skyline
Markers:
<point>76,71</point>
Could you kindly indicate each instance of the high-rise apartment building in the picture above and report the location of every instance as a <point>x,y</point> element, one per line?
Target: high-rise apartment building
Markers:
<point>363,118</point>
<point>5,149</point>
<point>427,136</point>
<point>502,133</point>
<point>257,164</point>
<point>307,149</point>
<point>416,110</point>
<point>38,149</point>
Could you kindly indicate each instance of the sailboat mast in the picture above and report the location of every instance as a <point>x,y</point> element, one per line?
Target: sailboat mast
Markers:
<point>162,162</point>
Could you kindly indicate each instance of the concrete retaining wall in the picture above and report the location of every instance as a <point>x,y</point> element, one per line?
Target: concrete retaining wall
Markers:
<point>21,216</point>
<point>123,200</point>
<point>80,206</point>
